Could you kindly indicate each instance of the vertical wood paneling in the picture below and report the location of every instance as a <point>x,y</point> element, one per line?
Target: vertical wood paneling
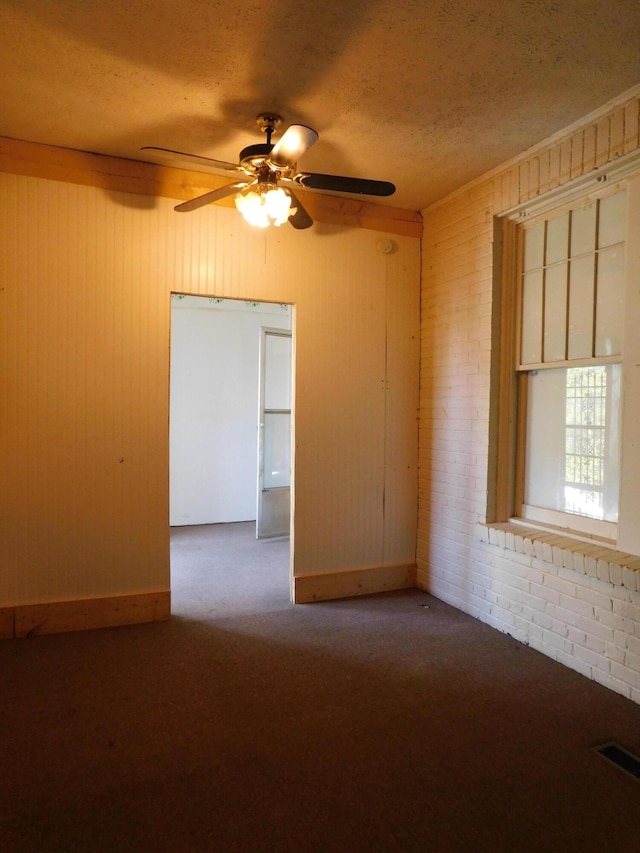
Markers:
<point>603,138</point>
<point>577,155</point>
<point>401,398</point>
<point>534,177</point>
<point>631,123</point>
<point>565,160</point>
<point>523,181</point>
<point>543,174</point>
<point>86,278</point>
<point>554,167</point>
<point>617,133</point>
<point>514,186</point>
<point>339,407</point>
<point>589,148</point>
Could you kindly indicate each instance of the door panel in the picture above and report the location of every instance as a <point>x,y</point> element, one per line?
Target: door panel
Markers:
<point>274,435</point>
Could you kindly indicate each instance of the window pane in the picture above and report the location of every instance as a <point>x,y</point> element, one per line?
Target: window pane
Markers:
<point>581,284</point>
<point>612,219</point>
<point>610,301</point>
<point>531,347</point>
<point>544,457</point>
<point>573,440</point>
<point>277,451</point>
<point>277,379</point>
<point>555,312</point>
<point>534,247</point>
<point>583,230</point>
<point>557,239</point>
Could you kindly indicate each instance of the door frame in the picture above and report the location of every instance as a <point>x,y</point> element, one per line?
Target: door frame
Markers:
<point>292,332</point>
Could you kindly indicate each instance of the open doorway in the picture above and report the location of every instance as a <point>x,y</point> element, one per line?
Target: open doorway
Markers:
<point>221,428</point>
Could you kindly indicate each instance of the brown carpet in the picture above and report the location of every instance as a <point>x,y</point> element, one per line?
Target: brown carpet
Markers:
<point>387,723</point>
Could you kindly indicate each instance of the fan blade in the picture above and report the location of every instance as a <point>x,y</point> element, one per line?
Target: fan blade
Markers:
<point>214,195</point>
<point>167,155</point>
<point>341,184</point>
<point>300,219</point>
<point>291,146</point>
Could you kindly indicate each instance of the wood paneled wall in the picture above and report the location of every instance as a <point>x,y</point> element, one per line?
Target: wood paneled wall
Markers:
<point>86,275</point>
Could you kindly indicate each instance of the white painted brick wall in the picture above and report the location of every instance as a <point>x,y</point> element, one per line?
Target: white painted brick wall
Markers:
<point>580,607</point>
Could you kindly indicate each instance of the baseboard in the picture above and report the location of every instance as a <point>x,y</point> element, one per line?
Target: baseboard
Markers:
<point>345,584</point>
<point>28,620</point>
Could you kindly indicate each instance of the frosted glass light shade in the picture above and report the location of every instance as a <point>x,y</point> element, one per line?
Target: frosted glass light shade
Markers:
<point>264,208</point>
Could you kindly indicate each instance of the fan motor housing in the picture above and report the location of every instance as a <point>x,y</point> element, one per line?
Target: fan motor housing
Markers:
<point>253,156</point>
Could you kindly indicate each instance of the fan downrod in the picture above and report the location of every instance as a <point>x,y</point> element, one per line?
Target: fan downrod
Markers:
<point>268,123</point>
<point>253,156</point>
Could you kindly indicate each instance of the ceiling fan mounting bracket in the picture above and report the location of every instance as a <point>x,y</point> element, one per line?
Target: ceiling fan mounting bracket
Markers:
<point>268,122</point>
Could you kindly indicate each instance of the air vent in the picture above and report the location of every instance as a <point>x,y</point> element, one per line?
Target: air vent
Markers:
<point>621,758</point>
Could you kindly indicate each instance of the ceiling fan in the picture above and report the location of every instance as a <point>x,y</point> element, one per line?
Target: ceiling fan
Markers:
<point>269,174</point>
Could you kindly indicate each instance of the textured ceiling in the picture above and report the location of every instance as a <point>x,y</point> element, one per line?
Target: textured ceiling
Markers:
<point>425,93</point>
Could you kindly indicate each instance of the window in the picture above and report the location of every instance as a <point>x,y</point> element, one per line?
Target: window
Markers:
<point>571,329</point>
<point>567,444</point>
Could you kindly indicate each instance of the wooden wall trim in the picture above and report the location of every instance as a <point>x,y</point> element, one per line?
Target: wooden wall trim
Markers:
<point>28,620</point>
<point>323,587</point>
<point>117,174</point>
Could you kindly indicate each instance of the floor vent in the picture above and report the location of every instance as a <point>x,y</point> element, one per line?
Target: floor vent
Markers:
<point>619,756</point>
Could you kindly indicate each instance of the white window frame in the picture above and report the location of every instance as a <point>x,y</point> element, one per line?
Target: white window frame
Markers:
<point>507,421</point>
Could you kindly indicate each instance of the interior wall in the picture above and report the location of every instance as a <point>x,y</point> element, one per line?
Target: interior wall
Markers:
<point>213,446</point>
<point>85,281</point>
<point>574,610</point>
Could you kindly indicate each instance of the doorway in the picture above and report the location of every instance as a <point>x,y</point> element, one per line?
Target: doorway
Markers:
<point>230,382</point>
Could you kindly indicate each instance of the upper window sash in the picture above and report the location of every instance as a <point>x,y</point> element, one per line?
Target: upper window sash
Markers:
<point>571,285</point>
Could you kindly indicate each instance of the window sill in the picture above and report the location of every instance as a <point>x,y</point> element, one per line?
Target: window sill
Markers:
<point>593,559</point>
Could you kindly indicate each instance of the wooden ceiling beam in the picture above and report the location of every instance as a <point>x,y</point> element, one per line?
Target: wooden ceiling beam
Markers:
<point>133,176</point>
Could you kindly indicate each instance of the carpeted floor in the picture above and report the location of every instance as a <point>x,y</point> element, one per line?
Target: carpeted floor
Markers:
<point>386,723</point>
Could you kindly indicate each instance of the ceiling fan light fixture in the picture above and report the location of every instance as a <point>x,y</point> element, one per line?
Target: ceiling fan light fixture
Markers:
<point>264,207</point>
<point>257,195</point>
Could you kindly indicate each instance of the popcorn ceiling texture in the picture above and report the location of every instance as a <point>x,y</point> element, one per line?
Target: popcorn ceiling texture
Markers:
<point>428,95</point>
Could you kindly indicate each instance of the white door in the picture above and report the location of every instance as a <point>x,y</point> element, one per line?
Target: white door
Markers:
<point>274,434</point>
